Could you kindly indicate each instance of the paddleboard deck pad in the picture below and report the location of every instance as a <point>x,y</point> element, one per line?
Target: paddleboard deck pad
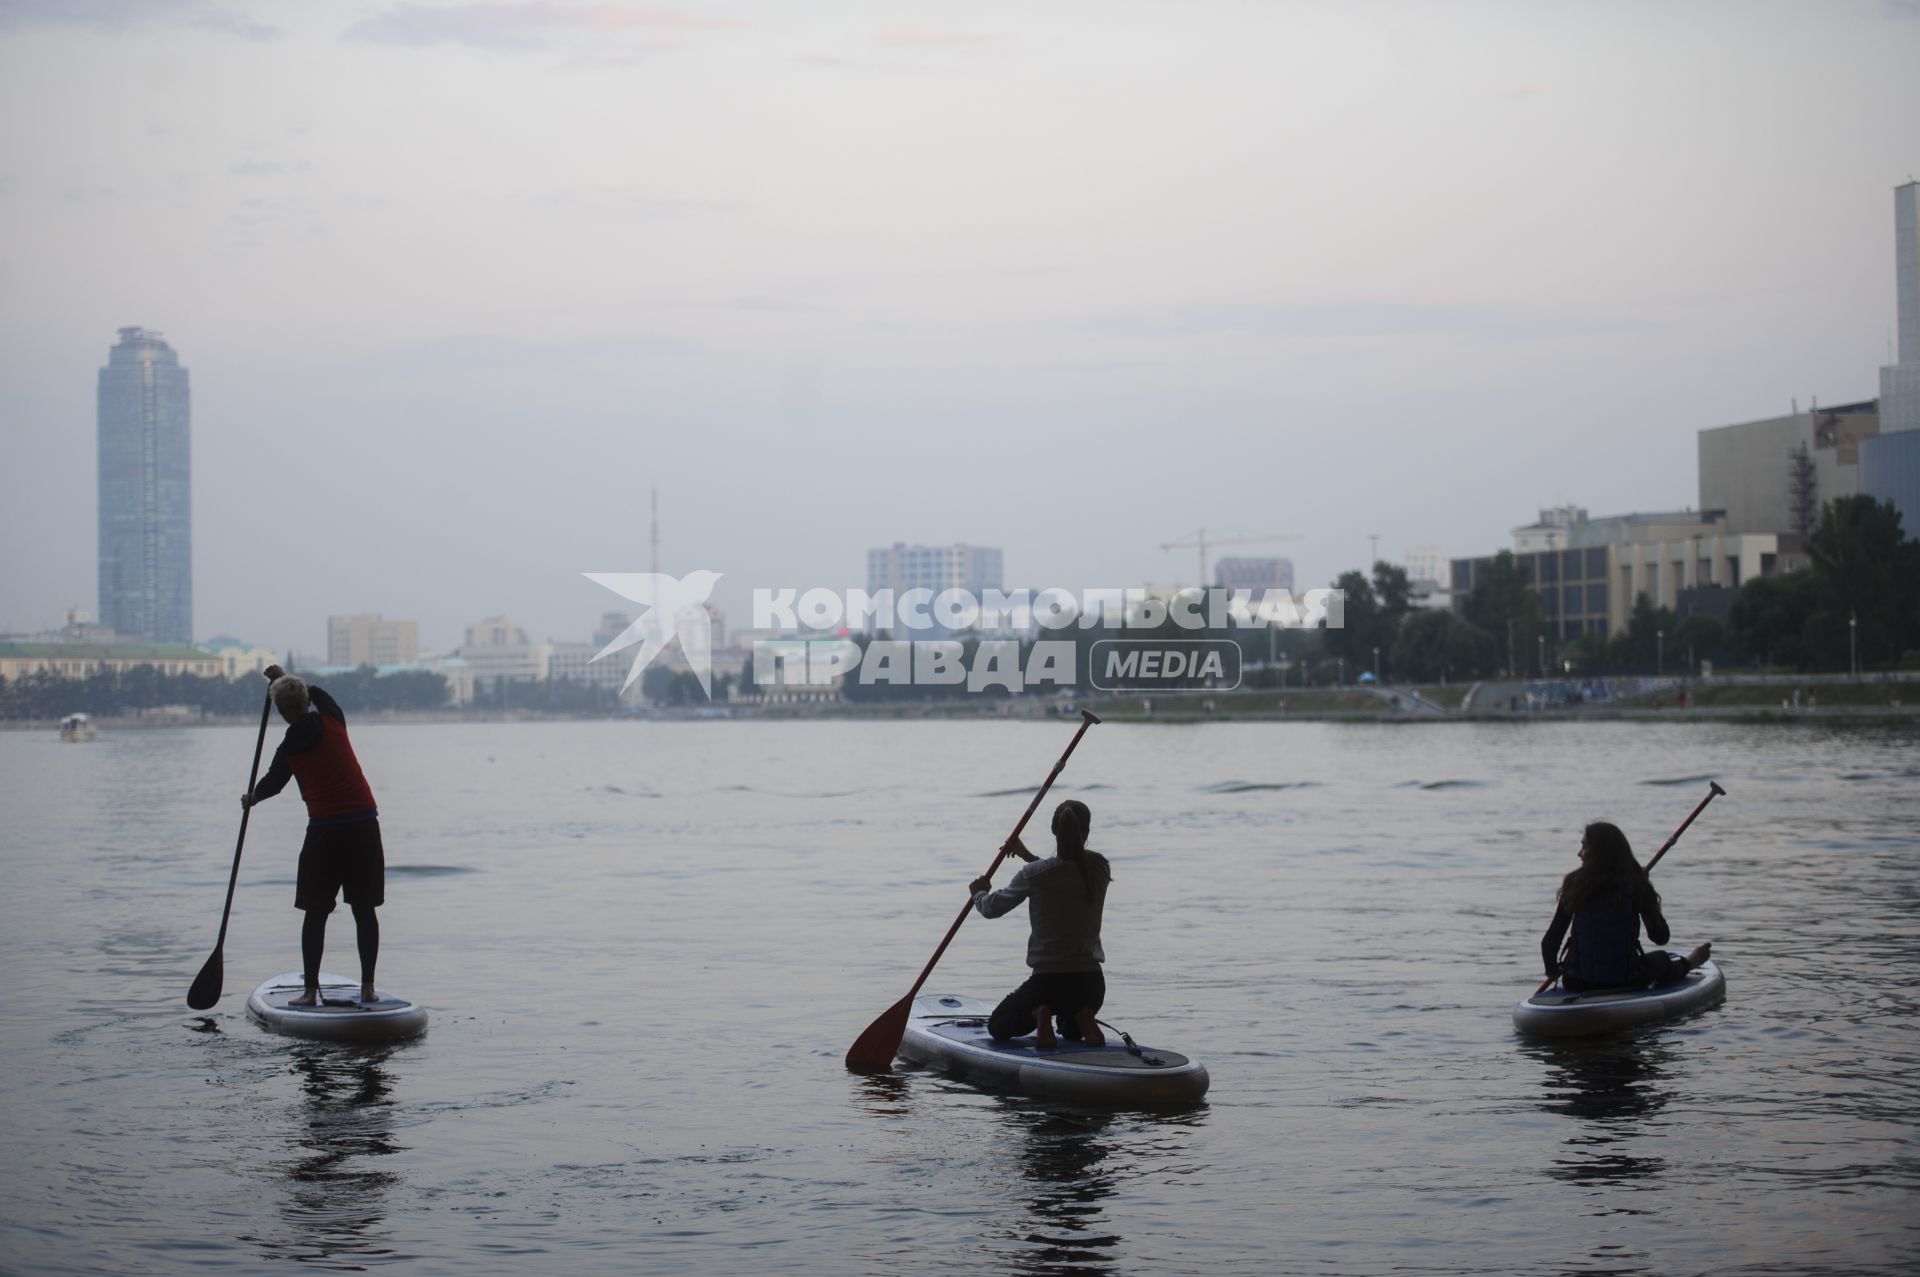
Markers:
<point>948,1032</point>
<point>340,1017</point>
<point>1558,1013</point>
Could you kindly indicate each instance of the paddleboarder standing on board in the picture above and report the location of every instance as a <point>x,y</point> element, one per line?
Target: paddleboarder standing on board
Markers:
<point>1605,900</point>
<point>1065,893</point>
<point>342,850</point>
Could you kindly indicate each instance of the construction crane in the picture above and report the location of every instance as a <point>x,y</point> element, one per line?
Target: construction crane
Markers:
<point>1200,541</point>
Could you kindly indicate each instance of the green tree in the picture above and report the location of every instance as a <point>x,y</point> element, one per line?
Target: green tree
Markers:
<point>1506,606</point>
<point>1768,616</point>
<point>1865,570</point>
<point>1394,595</point>
<point>1588,654</point>
<point>1700,637</point>
<point>1646,647</point>
<point>1433,644</point>
<point>1360,623</point>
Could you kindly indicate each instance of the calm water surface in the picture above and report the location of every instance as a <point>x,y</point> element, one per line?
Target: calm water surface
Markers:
<point>646,948</point>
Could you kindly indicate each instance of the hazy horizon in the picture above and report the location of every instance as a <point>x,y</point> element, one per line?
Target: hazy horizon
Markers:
<point>458,284</point>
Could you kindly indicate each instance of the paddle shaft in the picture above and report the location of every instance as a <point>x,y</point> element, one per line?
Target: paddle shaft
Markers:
<point>1713,792</point>
<point>1087,720</point>
<point>246,811</point>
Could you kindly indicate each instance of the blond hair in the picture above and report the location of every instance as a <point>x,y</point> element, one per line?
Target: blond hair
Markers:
<point>290,695</point>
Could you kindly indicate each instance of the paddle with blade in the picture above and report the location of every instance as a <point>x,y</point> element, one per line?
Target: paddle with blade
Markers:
<point>1713,791</point>
<point>874,1050</point>
<point>206,986</point>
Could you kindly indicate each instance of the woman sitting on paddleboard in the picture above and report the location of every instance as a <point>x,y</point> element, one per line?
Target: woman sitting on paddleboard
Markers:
<point>1064,895</point>
<point>1605,900</point>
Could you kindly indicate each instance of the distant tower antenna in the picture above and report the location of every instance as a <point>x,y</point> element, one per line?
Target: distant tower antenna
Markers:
<point>653,537</point>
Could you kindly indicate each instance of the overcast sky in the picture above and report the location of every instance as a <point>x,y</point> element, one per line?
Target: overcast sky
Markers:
<point>458,283</point>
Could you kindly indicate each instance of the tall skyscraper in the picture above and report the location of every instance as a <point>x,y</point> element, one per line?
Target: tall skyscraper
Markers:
<point>1890,464</point>
<point>146,545</point>
<point>1900,381</point>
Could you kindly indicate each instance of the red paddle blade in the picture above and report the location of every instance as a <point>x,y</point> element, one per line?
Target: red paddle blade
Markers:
<point>874,1050</point>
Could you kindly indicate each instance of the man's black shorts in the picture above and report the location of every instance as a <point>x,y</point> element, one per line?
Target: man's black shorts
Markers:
<point>337,856</point>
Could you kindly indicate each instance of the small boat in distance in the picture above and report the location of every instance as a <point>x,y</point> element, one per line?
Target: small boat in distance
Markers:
<point>76,727</point>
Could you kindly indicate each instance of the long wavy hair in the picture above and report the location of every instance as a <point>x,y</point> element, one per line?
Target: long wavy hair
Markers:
<point>1072,823</point>
<point>1608,875</point>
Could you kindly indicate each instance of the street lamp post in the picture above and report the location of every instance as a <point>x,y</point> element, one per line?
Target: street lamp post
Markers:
<point>1341,661</point>
<point>1853,644</point>
<point>1659,653</point>
<point>1376,665</point>
<point>1540,654</point>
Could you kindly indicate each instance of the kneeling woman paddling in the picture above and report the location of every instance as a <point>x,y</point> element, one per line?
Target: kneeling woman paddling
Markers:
<point>1605,900</point>
<point>1065,893</point>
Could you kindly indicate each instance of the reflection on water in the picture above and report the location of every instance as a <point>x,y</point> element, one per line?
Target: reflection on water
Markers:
<point>884,1094</point>
<point>334,1206</point>
<point>1613,1089</point>
<point>1064,1157</point>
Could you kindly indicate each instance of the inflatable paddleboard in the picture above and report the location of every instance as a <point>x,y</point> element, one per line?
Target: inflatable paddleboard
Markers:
<point>340,1017</point>
<point>948,1032</point>
<point>1557,1013</point>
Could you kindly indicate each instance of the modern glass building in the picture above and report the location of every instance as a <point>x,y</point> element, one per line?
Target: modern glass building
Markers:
<point>146,545</point>
<point>1890,471</point>
<point>1900,381</point>
<point>1572,585</point>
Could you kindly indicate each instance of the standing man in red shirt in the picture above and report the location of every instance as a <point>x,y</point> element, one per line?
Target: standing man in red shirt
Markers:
<point>342,849</point>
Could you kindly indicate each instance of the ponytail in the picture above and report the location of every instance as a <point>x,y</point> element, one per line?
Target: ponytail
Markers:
<point>1072,823</point>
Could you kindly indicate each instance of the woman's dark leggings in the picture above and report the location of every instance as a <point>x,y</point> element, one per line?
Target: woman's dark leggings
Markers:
<point>1067,992</point>
<point>1657,970</point>
<point>313,942</point>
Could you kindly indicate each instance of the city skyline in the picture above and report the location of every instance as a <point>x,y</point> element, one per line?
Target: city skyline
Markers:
<point>1067,284</point>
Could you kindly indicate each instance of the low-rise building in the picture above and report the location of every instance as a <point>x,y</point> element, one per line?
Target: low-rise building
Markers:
<point>575,663</point>
<point>1772,476</point>
<point>1590,584</point>
<point>239,657</point>
<point>366,638</point>
<point>498,651</point>
<point>1242,573</point>
<point>1549,532</point>
<point>83,660</point>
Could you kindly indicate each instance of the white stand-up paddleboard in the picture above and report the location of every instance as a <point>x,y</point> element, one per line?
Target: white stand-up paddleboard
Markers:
<point>1557,1013</point>
<point>340,1017</point>
<point>948,1032</point>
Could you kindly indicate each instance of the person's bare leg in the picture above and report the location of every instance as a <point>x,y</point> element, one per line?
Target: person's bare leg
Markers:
<point>1089,1028</point>
<point>1043,1028</point>
<point>367,933</point>
<point>313,937</point>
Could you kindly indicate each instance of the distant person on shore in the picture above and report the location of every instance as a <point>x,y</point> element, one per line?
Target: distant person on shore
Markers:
<point>342,850</point>
<point>1605,900</point>
<point>1065,893</point>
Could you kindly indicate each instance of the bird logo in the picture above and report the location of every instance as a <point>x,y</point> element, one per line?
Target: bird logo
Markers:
<point>676,608</point>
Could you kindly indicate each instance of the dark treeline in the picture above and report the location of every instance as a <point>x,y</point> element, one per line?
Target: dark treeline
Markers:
<point>44,696</point>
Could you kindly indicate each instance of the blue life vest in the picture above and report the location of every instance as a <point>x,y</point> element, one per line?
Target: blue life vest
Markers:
<point>1606,944</point>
